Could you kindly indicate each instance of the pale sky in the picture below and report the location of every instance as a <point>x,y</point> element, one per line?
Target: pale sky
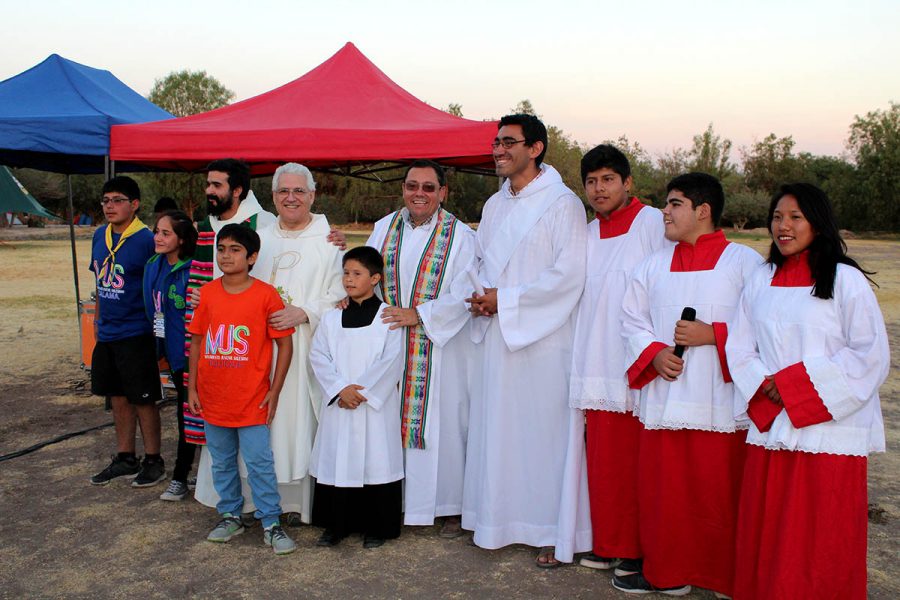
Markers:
<point>656,71</point>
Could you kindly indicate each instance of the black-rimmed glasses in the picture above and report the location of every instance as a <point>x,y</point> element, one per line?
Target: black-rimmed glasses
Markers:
<point>507,143</point>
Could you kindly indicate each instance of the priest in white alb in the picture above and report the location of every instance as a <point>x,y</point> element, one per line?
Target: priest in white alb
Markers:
<point>531,266</point>
<point>297,258</point>
<point>426,252</point>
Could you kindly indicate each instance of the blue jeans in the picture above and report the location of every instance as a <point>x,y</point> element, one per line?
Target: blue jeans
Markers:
<point>223,444</point>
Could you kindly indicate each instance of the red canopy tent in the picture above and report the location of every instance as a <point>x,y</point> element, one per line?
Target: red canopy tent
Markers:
<point>343,116</point>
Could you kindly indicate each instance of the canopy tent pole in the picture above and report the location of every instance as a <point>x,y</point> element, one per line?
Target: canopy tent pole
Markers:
<point>74,258</point>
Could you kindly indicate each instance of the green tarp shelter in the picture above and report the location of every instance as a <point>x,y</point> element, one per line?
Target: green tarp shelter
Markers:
<point>15,199</point>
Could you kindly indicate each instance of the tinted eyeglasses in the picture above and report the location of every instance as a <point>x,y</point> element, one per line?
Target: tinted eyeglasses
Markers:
<point>413,186</point>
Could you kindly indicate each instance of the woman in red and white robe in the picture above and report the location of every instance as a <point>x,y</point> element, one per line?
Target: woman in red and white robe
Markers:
<point>808,351</point>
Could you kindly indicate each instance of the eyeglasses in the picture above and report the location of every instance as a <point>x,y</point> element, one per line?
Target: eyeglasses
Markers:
<point>413,186</point>
<point>283,193</point>
<point>115,200</point>
<point>505,142</point>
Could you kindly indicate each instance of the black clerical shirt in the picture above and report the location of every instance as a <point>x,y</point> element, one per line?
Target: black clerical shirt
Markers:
<point>360,314</point>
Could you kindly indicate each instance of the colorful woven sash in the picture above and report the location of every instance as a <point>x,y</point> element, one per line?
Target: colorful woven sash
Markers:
<point>426,286</point>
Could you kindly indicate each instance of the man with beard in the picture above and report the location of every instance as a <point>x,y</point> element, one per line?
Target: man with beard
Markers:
<point>229,200</point>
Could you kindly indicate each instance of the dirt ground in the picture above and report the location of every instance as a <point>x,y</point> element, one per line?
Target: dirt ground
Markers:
<point>62,538</point>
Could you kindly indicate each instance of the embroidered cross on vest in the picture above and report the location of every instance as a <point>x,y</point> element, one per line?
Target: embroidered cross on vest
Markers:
<point>416,380</point>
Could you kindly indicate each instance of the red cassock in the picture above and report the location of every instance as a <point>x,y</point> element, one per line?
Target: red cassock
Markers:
<point>803,510</point>
<point>692,450</point>
<point>598,385</point>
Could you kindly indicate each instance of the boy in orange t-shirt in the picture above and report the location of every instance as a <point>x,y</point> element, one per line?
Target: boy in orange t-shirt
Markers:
<point>231,355</point>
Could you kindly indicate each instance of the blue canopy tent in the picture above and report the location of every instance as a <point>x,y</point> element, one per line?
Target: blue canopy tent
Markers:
<point>56,116</point>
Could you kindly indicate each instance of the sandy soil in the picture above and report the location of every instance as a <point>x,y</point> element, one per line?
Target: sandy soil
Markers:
<point>61,537</point>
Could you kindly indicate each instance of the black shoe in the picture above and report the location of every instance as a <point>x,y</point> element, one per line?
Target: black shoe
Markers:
<point>153,470</point>
<point>329,538</point>
<point>370,542</point>
<point>291,519</point>
<point>636,584</point>
<point>249,520</point>
<point>119,467</point>
<point>629,566</point>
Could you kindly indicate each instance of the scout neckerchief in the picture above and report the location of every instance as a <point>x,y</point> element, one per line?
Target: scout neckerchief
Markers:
<point>427,283</point>
<point>109,262</point>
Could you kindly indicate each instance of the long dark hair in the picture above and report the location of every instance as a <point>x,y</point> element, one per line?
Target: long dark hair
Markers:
<point>827,248</point>
<point>184,229</point>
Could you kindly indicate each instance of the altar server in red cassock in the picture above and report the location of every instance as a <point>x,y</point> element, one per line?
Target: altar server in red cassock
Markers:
<point>624,233</point>
<point>808,353</point>
<point>691,448</point>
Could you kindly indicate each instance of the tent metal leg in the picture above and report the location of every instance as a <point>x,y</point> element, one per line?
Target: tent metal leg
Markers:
<point>74,258</point>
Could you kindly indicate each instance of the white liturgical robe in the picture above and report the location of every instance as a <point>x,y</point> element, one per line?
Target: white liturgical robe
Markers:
<point>361,446</point>
<point>434,474</point>
<point>531,247</point>
<point>306,270</point>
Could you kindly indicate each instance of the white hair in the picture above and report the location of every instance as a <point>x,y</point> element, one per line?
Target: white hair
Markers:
<point>294,169</point>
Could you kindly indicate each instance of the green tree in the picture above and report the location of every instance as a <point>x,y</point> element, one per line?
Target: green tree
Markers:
<point>711,154</point>
<point>524,107</point>
<point>875,144</point>
<point>770,163</point>
<point>184,93</point>
<point>455,109</point>
<point>746,207</point>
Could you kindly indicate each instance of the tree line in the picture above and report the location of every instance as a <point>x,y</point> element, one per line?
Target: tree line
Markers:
<point>863,183</point>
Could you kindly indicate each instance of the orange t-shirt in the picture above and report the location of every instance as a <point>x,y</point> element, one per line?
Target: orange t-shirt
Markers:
<point>235,352</point>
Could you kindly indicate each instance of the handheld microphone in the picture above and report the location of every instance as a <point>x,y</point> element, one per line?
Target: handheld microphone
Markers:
<point>688,314</point>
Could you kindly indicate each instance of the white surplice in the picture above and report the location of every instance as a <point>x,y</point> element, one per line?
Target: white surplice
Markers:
<point>842,343</point>
<point>531,246</point>
<point>306,270</point>
<point>598,362</point>
<point>699,398</point>
<point>361,446</point>
<point>434,474</point>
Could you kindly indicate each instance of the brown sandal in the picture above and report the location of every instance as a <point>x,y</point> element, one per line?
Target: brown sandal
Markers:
<point>549,561</point>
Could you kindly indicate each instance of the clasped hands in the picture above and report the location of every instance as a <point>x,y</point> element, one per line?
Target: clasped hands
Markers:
<point>350,398</point>
<point>484,305</point>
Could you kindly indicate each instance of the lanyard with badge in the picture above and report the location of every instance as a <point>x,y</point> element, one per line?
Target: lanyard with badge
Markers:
<point>159,319</point>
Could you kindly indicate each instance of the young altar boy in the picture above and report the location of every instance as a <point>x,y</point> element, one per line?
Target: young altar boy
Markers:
<point>623,234</point>
<point>357,458</point>
<point>691,449</point>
